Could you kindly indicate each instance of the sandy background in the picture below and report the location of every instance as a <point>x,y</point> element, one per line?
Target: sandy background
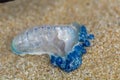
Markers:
<point>102,17</point>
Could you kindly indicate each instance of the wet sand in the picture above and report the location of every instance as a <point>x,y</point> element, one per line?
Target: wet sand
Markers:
<point>101,17</point>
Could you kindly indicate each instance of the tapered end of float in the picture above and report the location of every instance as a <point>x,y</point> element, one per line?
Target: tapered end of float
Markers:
<point>13,49</point>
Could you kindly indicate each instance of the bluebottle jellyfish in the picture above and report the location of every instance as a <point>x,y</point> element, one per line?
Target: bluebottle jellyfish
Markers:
<point>65,44</point>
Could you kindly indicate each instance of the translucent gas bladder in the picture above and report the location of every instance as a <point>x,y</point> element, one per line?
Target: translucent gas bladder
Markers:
<point>46,39</point>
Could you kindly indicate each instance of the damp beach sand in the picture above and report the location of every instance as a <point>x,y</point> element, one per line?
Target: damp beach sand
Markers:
<point>102,18</point>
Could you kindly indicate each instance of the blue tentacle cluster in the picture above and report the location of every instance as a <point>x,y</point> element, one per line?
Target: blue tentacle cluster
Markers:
<point>73,59</point>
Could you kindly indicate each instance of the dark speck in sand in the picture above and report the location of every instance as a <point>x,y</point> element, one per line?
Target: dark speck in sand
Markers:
<point>3,1</point>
